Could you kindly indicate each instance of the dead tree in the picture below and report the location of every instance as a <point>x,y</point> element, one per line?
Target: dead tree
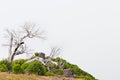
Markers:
<point>55,51</point>
<point>17,39</point>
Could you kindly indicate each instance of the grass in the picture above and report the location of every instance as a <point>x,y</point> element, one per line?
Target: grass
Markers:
<point>6,76</point>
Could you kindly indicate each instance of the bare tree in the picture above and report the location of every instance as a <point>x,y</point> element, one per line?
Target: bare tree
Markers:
<point>17,39</point>
<point>55,51</point>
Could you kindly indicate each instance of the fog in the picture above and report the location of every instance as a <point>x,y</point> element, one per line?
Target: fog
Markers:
<point>88,31</point>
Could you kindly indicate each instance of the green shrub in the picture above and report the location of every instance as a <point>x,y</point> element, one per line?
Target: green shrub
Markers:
<point>16,68</point>
<point>24,67</point>
<point>36,68</point>
<point>59,72</point>
<point>79,76</point>
<point>20,61</point>
<point>76,69</point>
<point>89,78</point>
<point>60,61</point>
<point>5,62</point>
<point>66,65</point>
<point>36,54</point>
<point>49,74</point>
<point>3,68</point>
<point>52,66</point>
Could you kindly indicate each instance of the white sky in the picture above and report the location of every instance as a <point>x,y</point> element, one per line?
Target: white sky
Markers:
<point>87,30</point>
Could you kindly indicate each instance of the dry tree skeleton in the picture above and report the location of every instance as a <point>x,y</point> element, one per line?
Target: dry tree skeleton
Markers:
<point>55,51</point>
<point>17,39</point>
<point>47,60</point>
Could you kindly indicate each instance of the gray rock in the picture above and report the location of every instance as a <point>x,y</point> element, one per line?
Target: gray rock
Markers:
<point>42,55</point>
<point>68,73</point>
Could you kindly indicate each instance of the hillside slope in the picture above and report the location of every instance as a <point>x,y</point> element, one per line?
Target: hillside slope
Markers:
<point>36,67</point>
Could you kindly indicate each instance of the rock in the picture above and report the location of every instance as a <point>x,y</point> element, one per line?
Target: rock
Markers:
<point>68,73</point>
<point>42,55</point>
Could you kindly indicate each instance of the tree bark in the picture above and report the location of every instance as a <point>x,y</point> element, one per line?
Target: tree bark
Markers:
<point>12,57</point>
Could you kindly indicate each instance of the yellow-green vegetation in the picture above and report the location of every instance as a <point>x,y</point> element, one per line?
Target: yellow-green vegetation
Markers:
<point>6,76</point>
<point>37,68</point>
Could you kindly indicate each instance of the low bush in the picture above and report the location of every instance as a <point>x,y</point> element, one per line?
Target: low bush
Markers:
<point>49,74</point>
<point>20,61</point>
<point>36,68</point>
<point>79,76</point>
<point>59,72</point>
<point>66,65</point>
<point>52,66</point>
<point>3,68</point>
<point>89,78</point>
<point>37,54</point>
<point>24,67</point>
<point>76,69</point>
<point>5,62</point>
<point>16,68</point>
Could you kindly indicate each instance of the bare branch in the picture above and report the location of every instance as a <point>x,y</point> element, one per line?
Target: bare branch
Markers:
<point>11,42</point>
<point>8,34</point>
<point>55,51</point>
<point>31,32</point>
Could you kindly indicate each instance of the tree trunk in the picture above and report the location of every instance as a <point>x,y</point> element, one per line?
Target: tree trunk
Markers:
<point>10,66</point>
<point>11,57</point>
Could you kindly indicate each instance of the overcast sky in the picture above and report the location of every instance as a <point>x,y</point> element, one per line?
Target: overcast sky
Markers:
<point>88,31</point>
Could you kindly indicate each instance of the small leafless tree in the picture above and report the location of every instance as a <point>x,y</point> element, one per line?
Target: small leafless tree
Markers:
<point>17,39</point>
<point>55,51</point>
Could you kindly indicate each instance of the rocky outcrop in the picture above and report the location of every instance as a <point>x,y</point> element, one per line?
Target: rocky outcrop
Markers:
<point>68,73</point>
